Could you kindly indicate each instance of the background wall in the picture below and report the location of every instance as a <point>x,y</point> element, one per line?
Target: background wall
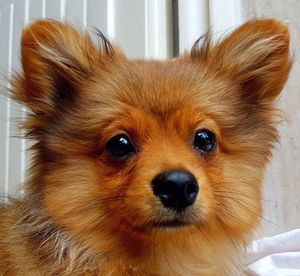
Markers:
<point>282,184</point>
<point>159,29</point>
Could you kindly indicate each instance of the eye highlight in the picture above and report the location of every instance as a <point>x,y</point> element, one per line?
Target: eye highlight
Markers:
<point>120,146</point>
<point>205,141</point>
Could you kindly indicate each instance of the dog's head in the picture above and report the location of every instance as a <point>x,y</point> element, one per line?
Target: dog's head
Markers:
<point>135,150</point>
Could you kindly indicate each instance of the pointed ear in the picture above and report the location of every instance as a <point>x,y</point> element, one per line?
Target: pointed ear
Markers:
<point>55,59</point>
<point>255,57</point>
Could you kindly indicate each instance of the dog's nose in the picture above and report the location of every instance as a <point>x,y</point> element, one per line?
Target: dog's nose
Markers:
<point>177,189</point>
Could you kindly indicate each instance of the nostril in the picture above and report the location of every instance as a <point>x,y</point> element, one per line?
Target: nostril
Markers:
<point>163,188</point>
<point>177,189</point>
<point>158,188</point>
<point>191,191</point>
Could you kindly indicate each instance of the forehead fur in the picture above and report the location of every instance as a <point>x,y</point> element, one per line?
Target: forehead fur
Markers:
<point>161,88</point>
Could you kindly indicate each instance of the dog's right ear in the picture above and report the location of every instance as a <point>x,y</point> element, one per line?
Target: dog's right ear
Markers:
<point>56,59</point>
<point>255,57</point>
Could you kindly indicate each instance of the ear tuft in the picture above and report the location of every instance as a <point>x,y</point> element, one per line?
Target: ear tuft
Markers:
<point>202,47</point>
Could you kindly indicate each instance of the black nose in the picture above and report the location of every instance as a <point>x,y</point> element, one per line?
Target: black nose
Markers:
<point>177,189</point>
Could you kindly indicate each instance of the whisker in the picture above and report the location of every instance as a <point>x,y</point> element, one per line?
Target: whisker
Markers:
<point>243,195</point>
<point>242,204</point>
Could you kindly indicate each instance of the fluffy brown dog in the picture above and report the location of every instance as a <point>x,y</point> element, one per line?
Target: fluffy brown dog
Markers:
<point>142,167</point>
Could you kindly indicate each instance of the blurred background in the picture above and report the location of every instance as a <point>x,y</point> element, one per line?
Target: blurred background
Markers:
<point>160,29</point>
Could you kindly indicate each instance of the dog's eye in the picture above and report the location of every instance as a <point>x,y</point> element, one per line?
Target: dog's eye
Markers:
<point>205,141</point>
<point>119,146</point>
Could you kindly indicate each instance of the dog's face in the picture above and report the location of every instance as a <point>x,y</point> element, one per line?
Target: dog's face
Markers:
<point>149,150</point>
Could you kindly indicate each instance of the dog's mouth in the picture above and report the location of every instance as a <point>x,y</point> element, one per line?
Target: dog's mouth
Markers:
<point>172,220</point>
<point>174,223</point>
<point>167,220</point>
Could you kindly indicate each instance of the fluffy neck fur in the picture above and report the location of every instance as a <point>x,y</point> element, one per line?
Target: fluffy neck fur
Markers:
<point>58,252</point>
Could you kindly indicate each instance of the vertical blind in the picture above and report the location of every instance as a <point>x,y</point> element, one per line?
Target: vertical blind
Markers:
<point>143,28</point>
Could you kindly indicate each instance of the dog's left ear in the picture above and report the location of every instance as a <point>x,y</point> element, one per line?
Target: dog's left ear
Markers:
<point>255,57</point>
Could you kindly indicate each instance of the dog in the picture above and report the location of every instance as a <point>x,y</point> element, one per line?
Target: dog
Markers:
<point>142,167</point>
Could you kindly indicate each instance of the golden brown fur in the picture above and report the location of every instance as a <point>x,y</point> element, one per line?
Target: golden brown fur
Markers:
<point>86,213</point>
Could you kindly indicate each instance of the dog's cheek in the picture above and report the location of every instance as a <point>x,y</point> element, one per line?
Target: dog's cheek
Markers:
<point>74,196</point>
<point>238,198</point>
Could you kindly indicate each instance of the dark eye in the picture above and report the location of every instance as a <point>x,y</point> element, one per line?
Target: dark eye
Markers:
<point>205,141</point>
<point>119,146</point>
